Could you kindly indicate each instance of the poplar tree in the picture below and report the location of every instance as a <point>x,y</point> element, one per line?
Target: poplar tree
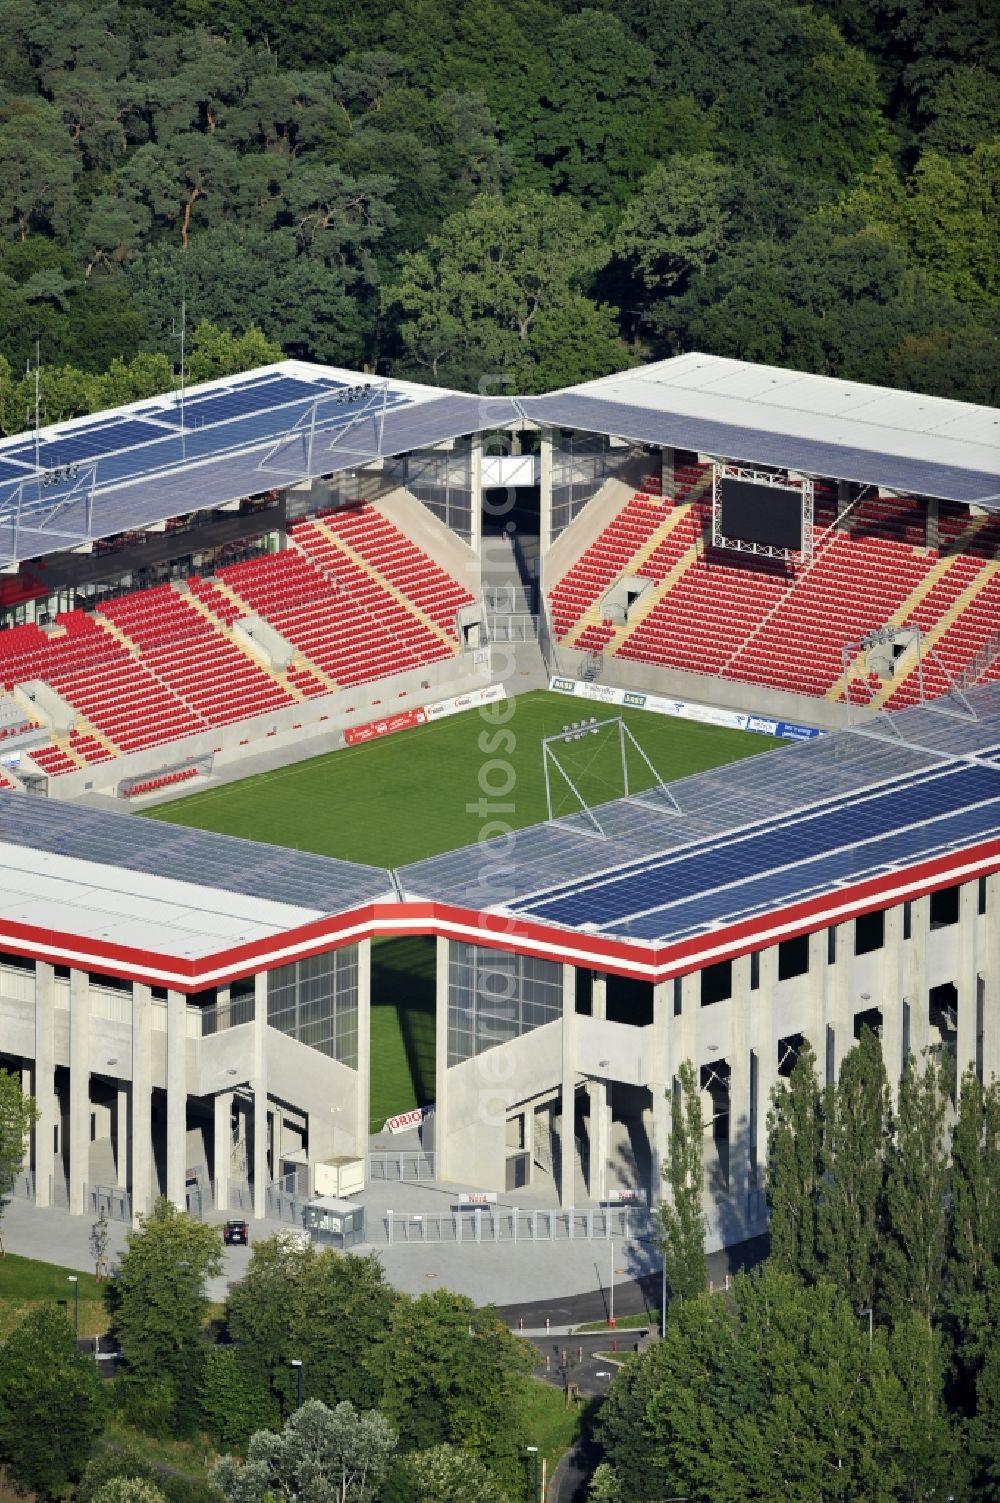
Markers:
<point>794,1167</point>
<point>682,1216</point>
<point>915,1247</point>
<point>851,1209</point>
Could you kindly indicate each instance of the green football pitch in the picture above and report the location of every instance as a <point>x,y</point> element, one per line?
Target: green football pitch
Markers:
<point>420,792</point>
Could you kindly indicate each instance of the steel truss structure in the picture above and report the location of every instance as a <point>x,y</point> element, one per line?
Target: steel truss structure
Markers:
<point>802,487</point>
<point>854,657</point>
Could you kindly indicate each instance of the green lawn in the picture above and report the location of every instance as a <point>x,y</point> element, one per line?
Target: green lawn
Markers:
<point>548,1423</point>
<point>402,1026</point>
<point>407,796</point>
<point>25,1283</point>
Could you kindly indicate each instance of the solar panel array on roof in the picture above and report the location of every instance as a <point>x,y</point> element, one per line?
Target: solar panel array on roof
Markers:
<point>750,835</point>
<point>143,466</point>
<point>837,837</point>
<point>219,861</point>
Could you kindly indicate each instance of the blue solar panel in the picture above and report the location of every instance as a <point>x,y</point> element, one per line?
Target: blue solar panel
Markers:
<point>83,444</point>
<point>608,901</point>
<point>822,874</point>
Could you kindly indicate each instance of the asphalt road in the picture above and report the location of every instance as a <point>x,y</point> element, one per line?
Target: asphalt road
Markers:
<point>636,1297</point>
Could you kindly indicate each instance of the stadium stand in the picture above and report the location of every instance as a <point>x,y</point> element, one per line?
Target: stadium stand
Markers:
<point>325,597</point>
<point>191,655</point>
<point>765,622</point>
<point>352,594</point>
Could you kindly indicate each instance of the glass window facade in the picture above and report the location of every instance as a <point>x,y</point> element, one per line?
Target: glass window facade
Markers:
<point>442,480</point>
<point>494,997</point>
<point>315,1001</point>
<point>581,462</point>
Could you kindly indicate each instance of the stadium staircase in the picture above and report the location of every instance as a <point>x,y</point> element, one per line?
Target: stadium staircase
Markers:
<point>222,607</point>
<point>631,544</point>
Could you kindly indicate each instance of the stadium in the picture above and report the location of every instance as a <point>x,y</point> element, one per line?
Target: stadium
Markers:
<point>570,736</point>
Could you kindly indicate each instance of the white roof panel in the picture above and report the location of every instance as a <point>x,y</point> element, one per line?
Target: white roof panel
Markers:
<point>823,408</point>
<point>94,900</point>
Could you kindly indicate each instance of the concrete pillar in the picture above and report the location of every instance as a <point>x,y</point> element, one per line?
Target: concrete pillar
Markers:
<point>890,999</point>
<point>176,1098</point>
<point>567,1137</point>
<point>933,532</point>
<point>223,1136</point>
<point>990,970</point>
<point>667,473</point>
<point>659,1086</point>
<point>258,1084</point>
<point>121,1135</point>
<point>967,977</point>
<point>79,1090</point>
<point>599,995</point>
<point>44,1134</point>
<point>476,500</point>
<point>837,1008</point>
<point>140,1124</point>
<point>915,975</point>
<point>738,1057</point>
<point>764,1042</point>
<point>545,494</point>
<point>441,1058</point>
<point>364,1046</point>
<point>599,1094</point>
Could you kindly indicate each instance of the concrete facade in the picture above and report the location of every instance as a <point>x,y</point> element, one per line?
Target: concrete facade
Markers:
<point>178,1097</point>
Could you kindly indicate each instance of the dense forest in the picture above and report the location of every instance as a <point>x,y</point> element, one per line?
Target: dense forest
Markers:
<point>530,192</point>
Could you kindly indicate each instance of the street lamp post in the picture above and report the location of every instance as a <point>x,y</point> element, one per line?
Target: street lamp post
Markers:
<point>75,1281</point>
<point>663,1296</point>
<point>533,1453</point>
<point>611,1288</point>
<point>296,1362</point>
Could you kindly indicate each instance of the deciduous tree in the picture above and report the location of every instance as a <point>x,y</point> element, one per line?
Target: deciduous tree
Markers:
<point>18,1114</point>
<point>682,1214</point>
<point>160,1303</point>
<point>52,1404</point>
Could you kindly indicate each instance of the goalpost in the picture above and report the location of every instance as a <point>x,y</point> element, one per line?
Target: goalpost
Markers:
<point>577,730</point>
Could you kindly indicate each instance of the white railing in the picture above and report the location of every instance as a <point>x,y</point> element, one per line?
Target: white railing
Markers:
<point>106,1002</point>
<point>16,984</point>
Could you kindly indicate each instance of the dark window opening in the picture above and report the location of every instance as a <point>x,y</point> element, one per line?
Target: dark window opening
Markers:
<point>755,970</point>
<point>869,932</point>
<point>907,920</point>
<point>944,907</point>
<point>789,1050</point>
<point>629,1001</point>
<point>793,957</point>
<point>716,983</point>
<point>981,904</point>
<point>831,945</point>
<point>870,1018</point>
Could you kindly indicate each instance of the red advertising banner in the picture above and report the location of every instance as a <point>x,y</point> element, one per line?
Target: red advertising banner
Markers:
<point>401,722</point>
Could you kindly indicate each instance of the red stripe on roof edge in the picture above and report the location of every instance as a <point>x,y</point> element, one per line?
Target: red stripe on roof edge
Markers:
<point>638,959</point>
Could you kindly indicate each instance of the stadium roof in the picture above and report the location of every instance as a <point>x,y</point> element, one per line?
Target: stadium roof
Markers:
<point>144,463</point>
<point>760,414</point>
<point>76,883</point>
<point>730,860</point>
<point>821,829</point>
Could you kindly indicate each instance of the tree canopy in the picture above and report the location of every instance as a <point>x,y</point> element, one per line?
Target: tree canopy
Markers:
<point>810,184</point>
